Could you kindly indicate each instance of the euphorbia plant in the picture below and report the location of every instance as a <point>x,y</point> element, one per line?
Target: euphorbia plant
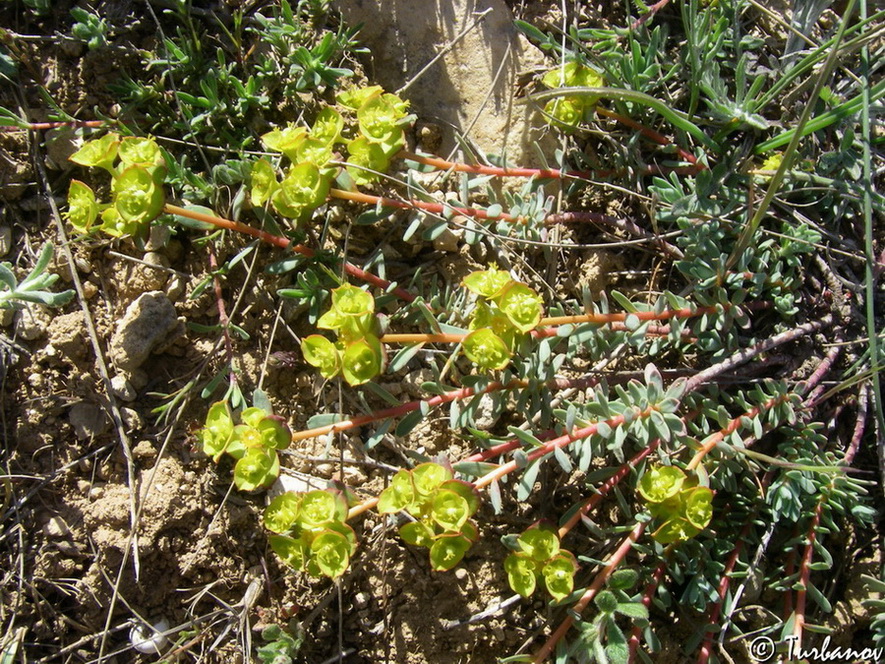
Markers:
<point>137,170</point>
<point>253,443</point>
<point>506,311</point>
<point>441,507</point>
<point>681,507</point>
<point>311,534</point>
<point>358,354</point>
<point>538,555</point>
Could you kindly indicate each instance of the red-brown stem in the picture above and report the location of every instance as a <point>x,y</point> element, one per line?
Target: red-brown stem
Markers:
<point>667,314</point>
<point>863,399</point>
<point>551,445</point>
<point>711,441</point>
<point>607,486</point>
<point>538,333</point>
<point>435,208</point>
<point>725,580</point>
<point>789,569</point>
<point>647,595</point>
<point>284,243</point>
<point>812,391</point>
<point>652,10</point>
<point>444,165</point>
<point>37,126</point>
<point>611,564</point>
<point>763,346</point>
<point>805,574</point>
<point>404,409</point>
<point>651,135</point>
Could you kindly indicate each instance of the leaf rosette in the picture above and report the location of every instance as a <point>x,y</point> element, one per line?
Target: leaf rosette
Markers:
<point>362,360</point>
<point>137,197</point>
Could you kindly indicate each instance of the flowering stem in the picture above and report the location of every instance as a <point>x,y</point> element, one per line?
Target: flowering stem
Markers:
<point>414,204</point>
<point>284,243</point>
<point>614,560</point>
<point>607,486</point>
<point>805,573</point>
<point>647,595</point>
<point>444,165</point>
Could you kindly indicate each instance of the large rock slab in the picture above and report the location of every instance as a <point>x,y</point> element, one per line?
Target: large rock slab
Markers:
<point>471,89</point>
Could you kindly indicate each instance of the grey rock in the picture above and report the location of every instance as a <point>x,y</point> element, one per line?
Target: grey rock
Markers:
<point>485,417</point>
<point>447,241</point>
<point>56,527</point>
<point>149,322</point>
<point>32,321</point>
<point>123,389</point>
<point>88,419</point>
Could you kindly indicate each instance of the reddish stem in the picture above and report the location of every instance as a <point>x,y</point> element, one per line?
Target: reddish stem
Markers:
<point>652,10</point>
<point>537,333</point>
<point>435,208</point>
<point>711,441</point>
<point>444,165</point>
<point>607,486</point>
<point>551,445</point>
<point>222,316</point>
<point>863,399</point>
<point>614,560</point>
<point>651,135</point>
<point>647,595</point>
<point>805,574</point>
<point>37,126</point>
<point>285,243</point>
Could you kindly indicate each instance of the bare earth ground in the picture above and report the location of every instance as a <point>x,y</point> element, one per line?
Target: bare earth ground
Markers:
<point>199,558</point>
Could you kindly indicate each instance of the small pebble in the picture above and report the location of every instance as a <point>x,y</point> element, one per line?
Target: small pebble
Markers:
<point>56,527</point>
<point>67,548</point>
<point>88,419</point>
<point>460,574</point>
<point>90,290</point>
<point>132,420</point>
<point>144,450</point>
<point>32,321</point>
<point>122,388</point>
